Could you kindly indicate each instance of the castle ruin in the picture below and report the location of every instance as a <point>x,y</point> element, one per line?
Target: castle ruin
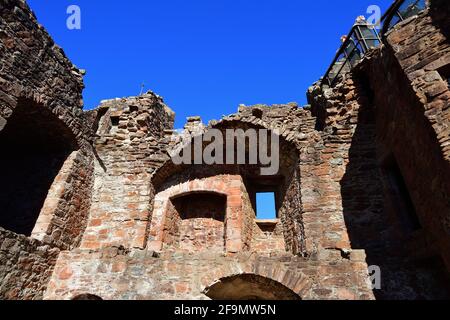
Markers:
<point>91,204</point>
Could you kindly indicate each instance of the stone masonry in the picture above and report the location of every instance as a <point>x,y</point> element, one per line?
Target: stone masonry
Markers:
<point>92,203</point>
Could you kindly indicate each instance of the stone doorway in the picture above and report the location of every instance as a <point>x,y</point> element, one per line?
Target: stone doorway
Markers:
<point>249,287</point>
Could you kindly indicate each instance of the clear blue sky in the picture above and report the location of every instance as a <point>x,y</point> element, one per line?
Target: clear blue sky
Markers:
<point>205,57</point>
<point>265,205</point>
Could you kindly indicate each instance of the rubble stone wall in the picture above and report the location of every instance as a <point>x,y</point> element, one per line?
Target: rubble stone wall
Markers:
<point>393,106</point>
<point>130,136</point>
<point>26,266</point>
<point>358,165</point>
<point>145,275</point>
<point>38,82</point>
<point>163,225</point>
<point>415,117</point>
<point>35,68</point>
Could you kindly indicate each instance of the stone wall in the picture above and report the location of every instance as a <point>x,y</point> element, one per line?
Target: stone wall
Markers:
<point>392,102</point>
<point>35,68</point>
<point>26,266</point>
<point>412,113</point>
<point>63,217</point>
<point>39,82</point>
<point>140,275</point>
<point>415,116</point>
<point>130,137</point>
<point>270,244</point>
<point>199,227</point>
<point>363,181</point>
<point>42,131</point>
<point>353,146</point>
<point>163,224</point>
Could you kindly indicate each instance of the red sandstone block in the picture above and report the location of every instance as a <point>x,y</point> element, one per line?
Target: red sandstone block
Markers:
<point>106,199</point>
<point>171,267</point>
<point>234,191</point>
<point>132,206</point>
<point>65,273</point>
<point>139,241</point>
<point>89,237</point>
<point>234,201</point>
<point>119,266</point>
<point>345,294</point>
<point>90,245</point>
<point>131,177</point>
<point>234,246</point>
<point>129,224</point>
<point>343,245</point>
<point>104,236</point>
<point>119,233</point>
<point>236,182</point>
<point>95,222</point>
<point>182,287</point>
<point>219,186</point>
<point>208,184</point>
<point>155,245</point>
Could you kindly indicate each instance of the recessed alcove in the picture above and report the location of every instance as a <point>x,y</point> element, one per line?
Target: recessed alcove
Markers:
<point>34,144</point>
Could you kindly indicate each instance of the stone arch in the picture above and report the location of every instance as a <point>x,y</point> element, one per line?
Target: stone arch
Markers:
<point>291,138</point>
<point>222,188</point>
<point>248,286</point>
<point>35,144</point>
<point>167,168</point>
<point>44,160</point>
<point>286,185</point>
<point>87,297</point>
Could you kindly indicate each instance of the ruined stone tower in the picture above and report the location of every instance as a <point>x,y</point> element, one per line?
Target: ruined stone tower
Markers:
<point>91,203</point>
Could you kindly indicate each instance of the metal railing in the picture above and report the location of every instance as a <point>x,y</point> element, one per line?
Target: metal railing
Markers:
<point>364,36</point>
<point>400,11</point>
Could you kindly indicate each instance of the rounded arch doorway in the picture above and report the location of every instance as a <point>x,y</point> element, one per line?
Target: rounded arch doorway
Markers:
<point>249,287</point>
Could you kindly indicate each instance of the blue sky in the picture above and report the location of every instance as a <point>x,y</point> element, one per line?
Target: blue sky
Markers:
<point>265,205</point>
<point>205,57</point>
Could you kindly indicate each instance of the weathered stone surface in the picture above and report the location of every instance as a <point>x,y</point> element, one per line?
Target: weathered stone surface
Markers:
<point>46,150</point>
<point>390,118</point>
<point>25,266</point>
<point>363,182</point>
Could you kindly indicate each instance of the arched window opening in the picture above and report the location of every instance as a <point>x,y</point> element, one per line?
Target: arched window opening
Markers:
<point>35,145</point>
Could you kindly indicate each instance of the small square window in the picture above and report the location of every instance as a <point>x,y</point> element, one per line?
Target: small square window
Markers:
<point>265,206</point>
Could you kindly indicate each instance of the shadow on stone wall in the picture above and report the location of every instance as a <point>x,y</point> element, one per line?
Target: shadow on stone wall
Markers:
<point>439,12</point>
<point>35,144</point>
<point>371,224</point>
<point>361,190</point>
